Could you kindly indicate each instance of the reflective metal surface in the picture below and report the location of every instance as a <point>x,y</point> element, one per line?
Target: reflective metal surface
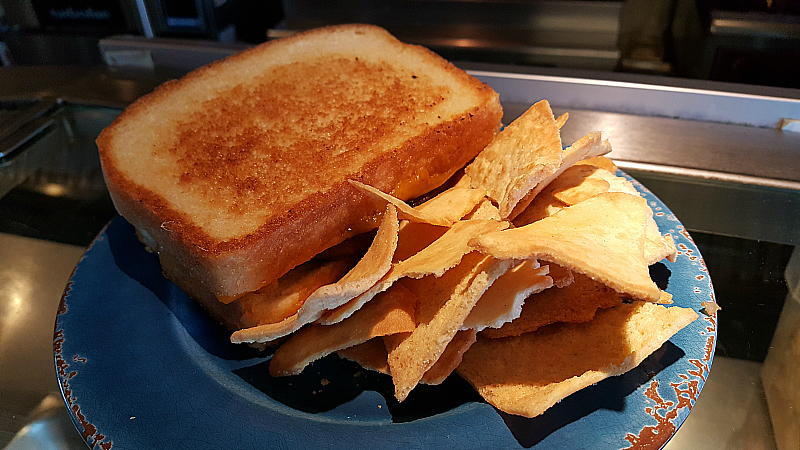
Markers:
<point>546,33</point>
<point>752,106</point>
<point>33,274</point>
<point>51,186</point>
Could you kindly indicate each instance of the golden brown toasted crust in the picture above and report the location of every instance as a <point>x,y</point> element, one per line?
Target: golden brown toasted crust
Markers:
<point>238,172</point>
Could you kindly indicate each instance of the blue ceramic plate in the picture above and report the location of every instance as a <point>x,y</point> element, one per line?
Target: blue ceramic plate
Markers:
<point>140,365</point>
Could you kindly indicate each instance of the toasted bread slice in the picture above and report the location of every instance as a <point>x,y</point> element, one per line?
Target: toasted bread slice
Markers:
<point>238,172</point>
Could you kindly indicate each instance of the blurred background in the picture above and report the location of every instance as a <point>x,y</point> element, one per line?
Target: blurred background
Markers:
<point>743,41</point>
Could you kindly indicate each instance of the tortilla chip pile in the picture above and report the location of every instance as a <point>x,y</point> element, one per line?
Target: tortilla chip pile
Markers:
<point>528,277</point>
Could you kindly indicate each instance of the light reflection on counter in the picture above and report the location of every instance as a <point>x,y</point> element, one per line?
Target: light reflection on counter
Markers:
<point>33,274</point>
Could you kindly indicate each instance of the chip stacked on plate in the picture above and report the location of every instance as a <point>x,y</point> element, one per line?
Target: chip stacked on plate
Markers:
<point>528,277</point>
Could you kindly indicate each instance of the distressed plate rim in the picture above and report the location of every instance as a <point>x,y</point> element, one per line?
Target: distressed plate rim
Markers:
<point>208,406</point>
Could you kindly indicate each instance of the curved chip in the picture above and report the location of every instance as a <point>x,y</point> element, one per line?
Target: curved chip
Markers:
<point>285,296</point>
<point>371,268</point>
<point>602,162</point>
<point>437,258</point>
<point>589,146</point>
<point>602,237</point>
<point>527,374</point>
<point>503,301</point>
<point>389,313</point>
<point>526,152</point>
<point>575,303</point>
<point>374,265</point>
<point>444,304</point>
<point>452,204</point>
<point>404,210</point>
<point>268,332</point>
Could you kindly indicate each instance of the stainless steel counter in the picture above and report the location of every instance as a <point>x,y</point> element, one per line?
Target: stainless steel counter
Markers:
<point>713,153</point>
<point>33,274</point>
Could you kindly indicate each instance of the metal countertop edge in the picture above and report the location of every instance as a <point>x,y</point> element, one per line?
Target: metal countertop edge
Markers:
<point>643,99</point>
<point>708,175</point>
<point>523,88</point>
<point>625,84</point>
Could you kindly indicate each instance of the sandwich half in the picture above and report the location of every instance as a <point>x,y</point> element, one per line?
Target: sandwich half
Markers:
<point>238,172</point>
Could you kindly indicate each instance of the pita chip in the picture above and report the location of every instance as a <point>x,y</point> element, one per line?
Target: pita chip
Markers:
<point>528,374</point>
<point>437,258</point>
<point>589,146</point>
<point>370,355</point>
<point>602,162</point>
<point>445,302</point>
<point>574,185</point>
<point>284,297</point>
<point>484,210</point>
<point>581,182</point>
<point>404,210</point>
<point>452,204</point>
<point>656,246</point>
<point>503,301</point>
<point>602,237</point>
<point>451,357</point>
<point>372,266</point>
<point>526,152</point>
<point>389,313</point>
<point>577,302</point>
<point>562,120</point>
